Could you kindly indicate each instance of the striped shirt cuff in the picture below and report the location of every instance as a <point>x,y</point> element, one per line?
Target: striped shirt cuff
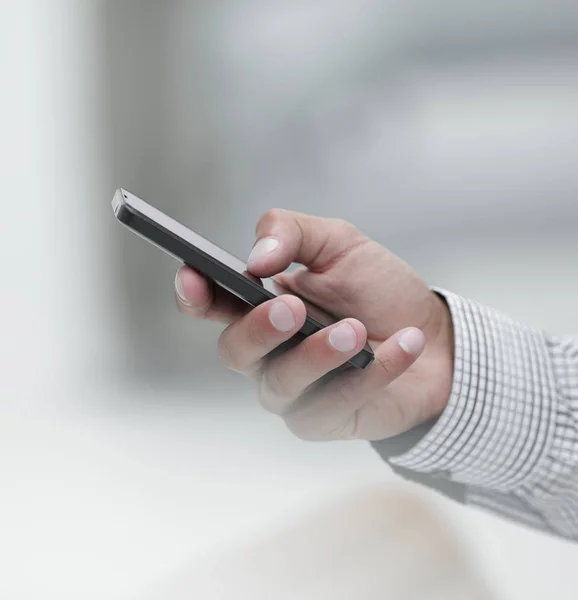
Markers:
<point>497,429</point>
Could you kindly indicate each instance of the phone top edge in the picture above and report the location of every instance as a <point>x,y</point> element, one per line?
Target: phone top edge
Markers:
<point>121,200</point>
<point>117,201</point>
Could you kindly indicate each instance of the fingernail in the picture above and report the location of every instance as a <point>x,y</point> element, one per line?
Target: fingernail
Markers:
<point>180,290</point>
<point>343,338</point>
<point>412,341</point>
<point>263,248</point>
<point>281,317</point>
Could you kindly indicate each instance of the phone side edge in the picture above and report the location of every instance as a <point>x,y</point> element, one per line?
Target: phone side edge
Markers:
<point>123,210</point>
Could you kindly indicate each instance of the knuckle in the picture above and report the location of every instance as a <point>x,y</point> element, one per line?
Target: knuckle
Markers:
<point>256,334</point>
<point>344,229</point>
<point>346,393</point>
<point>306,354</point>
<point>270,402</point>
<point>273,215</point>
<point>345,429</point>
<point>386,365</point>
<point>274,388</point>
<point>342,225</point>
<point>226,354</point>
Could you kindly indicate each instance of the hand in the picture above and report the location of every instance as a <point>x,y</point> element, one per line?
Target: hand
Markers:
<point>380,300</point>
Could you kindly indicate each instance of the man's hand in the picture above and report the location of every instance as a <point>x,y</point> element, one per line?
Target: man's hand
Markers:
<point>380,300</point>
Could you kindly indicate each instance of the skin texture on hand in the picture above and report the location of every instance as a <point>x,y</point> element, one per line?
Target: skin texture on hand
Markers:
<point>379,299</point>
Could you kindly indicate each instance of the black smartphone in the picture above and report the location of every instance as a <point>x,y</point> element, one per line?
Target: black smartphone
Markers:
<point>215,263</point>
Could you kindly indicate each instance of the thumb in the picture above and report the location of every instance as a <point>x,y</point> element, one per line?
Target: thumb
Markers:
<point>345,274</point>
<point>285,237</point>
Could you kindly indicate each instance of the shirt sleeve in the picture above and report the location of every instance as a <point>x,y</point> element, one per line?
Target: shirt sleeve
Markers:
<point>508,438</point>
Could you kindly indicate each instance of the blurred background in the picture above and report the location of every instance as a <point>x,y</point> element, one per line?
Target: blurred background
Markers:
<point>446,130</point>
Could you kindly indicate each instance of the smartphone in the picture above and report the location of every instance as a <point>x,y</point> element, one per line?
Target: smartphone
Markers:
<point>218,265</point>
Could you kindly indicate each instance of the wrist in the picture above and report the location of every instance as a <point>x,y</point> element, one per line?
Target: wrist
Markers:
<point>439,335</point>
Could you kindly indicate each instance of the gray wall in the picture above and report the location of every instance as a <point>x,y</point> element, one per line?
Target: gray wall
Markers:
<point>420,123</point>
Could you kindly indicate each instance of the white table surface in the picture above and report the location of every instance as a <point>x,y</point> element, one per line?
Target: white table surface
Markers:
<point>100,503</point>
